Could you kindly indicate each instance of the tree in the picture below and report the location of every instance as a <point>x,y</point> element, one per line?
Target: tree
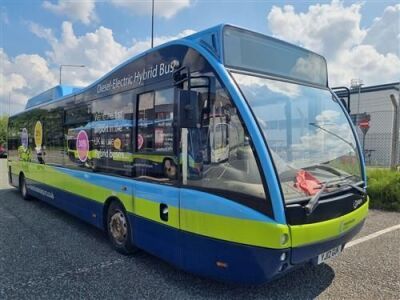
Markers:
<point>3,129</point>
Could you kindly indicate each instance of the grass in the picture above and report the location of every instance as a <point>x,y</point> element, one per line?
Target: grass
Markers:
<point>384,189</point>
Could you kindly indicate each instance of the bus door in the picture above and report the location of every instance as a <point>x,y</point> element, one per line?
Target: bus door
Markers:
<point>194,106</point>
<point>155,168</point>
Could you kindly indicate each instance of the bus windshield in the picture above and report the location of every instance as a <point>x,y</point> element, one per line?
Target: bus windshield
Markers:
<point>308,134</point>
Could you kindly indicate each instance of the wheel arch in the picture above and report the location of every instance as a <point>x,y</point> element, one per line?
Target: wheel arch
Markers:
<point>106,205</point>
<point>21,175</point>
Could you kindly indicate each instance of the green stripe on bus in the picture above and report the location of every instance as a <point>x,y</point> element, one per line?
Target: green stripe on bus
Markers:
<point>317,232</point>
<point>53,178</point>
<point>215,226</point>
<point>249,232</point>
<point>151,210</point>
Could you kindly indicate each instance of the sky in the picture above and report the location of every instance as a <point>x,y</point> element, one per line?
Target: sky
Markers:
<point>360,39</point>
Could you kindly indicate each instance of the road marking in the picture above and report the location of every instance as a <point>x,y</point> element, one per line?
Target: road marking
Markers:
<point>372,236</point>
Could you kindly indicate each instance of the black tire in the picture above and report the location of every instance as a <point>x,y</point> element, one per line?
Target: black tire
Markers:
<point>118,229</point>
<point>23,188</point>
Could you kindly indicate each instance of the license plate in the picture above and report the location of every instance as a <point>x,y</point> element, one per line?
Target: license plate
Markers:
<point>329,254</point>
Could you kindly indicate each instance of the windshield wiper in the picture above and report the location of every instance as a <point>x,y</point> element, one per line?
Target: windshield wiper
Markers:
<point>334,134</point>
<point>353,185</point>
<point>314,201</point>
<point>329,169</point>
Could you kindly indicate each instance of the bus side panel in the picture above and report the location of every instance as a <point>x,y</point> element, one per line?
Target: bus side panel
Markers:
<point>231,262</point>
<point>81,193</point>
<point>85,209</point>
<point>150,231</point>
<point>218,259</point>
<point>217,217</point>
<point>157,239</point>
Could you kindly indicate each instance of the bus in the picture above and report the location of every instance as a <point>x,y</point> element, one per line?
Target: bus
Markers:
<point>224,153</point>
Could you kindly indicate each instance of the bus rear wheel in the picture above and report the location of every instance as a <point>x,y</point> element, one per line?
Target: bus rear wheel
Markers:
<point>118,228</point>
<point>23,188</point>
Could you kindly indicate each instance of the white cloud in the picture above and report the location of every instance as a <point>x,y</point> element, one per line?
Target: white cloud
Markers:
<point>97,50</point>
<point>334,31</point>
<point>365,62</point>
<point>162,8</point>
<point>327,116</point>
<point>324,28</point>
<point>256,84</point>
<point>384,34</point>
<point>26,75</point>
<point>21,77</point>
<point>40,31</point>
<point>76,10</point>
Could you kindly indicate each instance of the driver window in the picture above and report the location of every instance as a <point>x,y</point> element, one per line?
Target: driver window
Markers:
<point>220,154</point>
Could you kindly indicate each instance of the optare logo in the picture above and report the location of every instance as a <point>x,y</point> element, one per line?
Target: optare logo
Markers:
<point>357,203</point>
<point>82,145</point>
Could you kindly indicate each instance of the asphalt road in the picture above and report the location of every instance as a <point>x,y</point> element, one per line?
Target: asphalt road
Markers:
<point>45,253</point>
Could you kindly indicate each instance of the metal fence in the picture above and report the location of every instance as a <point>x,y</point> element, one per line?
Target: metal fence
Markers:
<point>378,143</point>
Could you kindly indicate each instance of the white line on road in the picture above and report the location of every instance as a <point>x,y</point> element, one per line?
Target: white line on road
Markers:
<point>372,236</point>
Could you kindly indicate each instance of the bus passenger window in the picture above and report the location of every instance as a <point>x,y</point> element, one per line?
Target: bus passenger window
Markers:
<point>164,116</point>
<point>112,130</point>
<point>78,137</point>
<point>155,158</point>
<point>145,122</point>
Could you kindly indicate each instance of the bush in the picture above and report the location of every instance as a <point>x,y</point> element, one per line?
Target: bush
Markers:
<point>384,189</point>
<point>3,129</point>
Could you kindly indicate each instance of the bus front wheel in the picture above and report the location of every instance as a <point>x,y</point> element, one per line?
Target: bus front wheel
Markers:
<point>118,228</point>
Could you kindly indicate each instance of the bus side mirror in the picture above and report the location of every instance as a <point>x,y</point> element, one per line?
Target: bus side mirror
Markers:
<point>189,113</point>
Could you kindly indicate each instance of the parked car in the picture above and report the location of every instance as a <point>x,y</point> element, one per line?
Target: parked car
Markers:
<point>3,152</point>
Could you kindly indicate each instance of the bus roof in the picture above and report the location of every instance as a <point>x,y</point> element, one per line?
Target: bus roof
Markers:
<point>54,93</point>
<point>210,39</point>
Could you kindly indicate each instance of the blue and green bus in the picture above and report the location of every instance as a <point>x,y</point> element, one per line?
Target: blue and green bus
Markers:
<point>224,153</point>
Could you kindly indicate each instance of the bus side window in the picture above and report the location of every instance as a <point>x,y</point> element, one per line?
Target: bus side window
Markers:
<point>112,125</point>
<point>53,137</point>
<point>78,137</point>
<point>154,157</point>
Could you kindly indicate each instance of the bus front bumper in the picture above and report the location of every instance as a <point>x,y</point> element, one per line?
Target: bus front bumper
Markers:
<point>309,253</point>
<point>311,240</point>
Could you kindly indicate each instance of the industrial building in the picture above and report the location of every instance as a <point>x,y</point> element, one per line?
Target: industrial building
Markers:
<point>373,108</point>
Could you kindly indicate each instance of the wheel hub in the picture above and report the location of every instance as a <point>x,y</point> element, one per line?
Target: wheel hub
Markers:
<point>118,227</point>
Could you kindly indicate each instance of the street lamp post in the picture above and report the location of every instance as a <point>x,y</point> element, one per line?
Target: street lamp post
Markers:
<point>71,66</point>
<point>357,84</point>
<point>152,23</point>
